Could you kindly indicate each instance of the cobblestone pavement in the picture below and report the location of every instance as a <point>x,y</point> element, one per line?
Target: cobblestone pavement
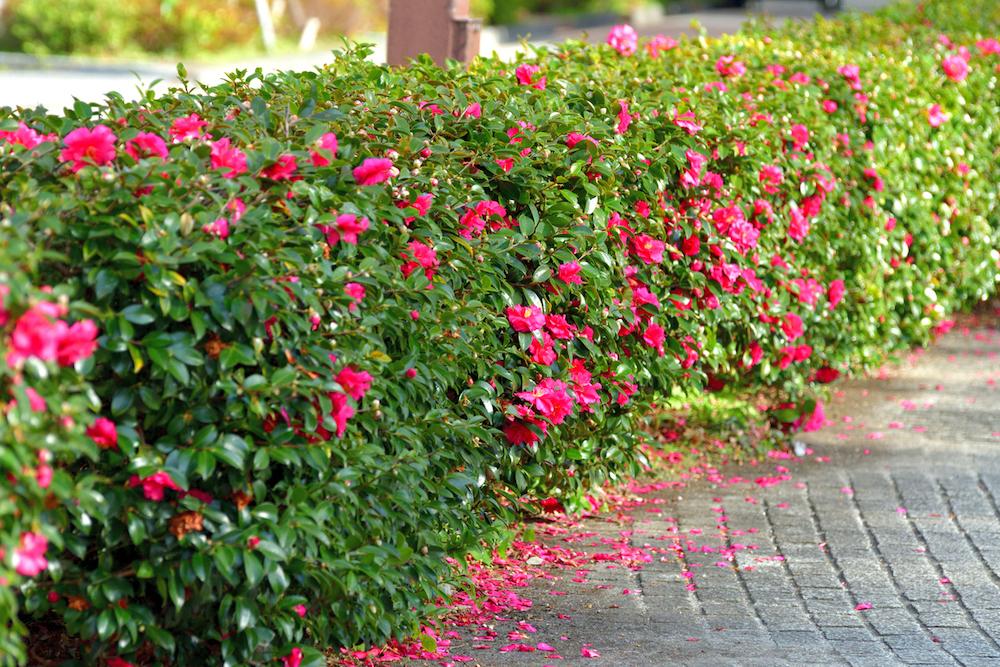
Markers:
<point>882,548</point>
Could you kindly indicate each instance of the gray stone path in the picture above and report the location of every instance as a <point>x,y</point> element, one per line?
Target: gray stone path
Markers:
<point>882,547</point>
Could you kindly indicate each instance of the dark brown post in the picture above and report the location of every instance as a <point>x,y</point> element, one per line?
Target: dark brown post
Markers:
<point>441,28</point>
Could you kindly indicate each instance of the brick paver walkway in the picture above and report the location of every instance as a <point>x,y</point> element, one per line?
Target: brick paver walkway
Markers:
<point>896,509</point>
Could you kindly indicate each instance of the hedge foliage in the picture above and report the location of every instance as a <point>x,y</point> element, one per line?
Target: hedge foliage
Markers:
<point>347,319</point>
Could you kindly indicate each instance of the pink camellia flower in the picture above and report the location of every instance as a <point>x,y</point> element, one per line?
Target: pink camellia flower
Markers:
<point>357,292</point>
<point>220,228</point>
<point>420,255</point>
<point>226,156</point>
<point>145,145</point>
<point>654,336</point>
<point>526,76</point>
<point>374,170</point>
<point>526,318</point>
<point>955,67</point>
<point>300,609</point>
<point>569,273</point>
<point>474,110</point>
<point>347,228</point>
<point>187,127</point>
<point>792,326</point>
<point>658,44</point>
<point>835,293</point>
<point>77,342</point>
<point>103,432</point>
<point>29,556</point>
<point>252,542</point>
<point>800,136</point>
<point>282,170</point>
<point>771,177</point>
<point>551,399</point>
<point>24,136</point>
<point>624,117</point>
<point>326,143</point>
<point>341,412</point>
<point>988,46</point>
<point>936,117</point>
<point>730,67</point>
<point>355,383</point>
<point>816,420</point>
<point>648,249</point>
<point>798,225</point>
<point>573,138</point>
<point>542,351</point>
<point>115,661</point>
<point>35,400</point>
<point>154,485</point>
<point>85,147</point>
<point>505,163</point>
<point>410,373</point>
<point>43,475</point>
<point>293,659</point>
<point>829,106</point>
<point>36,334</point>
<point>559,327</point>
<point>623,39</point>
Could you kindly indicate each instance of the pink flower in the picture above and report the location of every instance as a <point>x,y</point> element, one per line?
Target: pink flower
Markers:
<point>792,326</point>
<point>541,350</point>
<point>624,117</point>
<point>103,432</point>
<point>829,106</point>
<point>326,143</point>
<point>146,144</point>
<point>506,163</point>
<point>219,227</point>
<point>573,138</point>
<point>835,293</point>
<point>43,475</point>
<point>654,336</point>
<point>526,319</point>
<point>817,420</point>
<point>252,542</point>
<point>36,334</point>
<point>154,485</point>
<point>226,156</point>
<point>35,400</point>
<point>648,249</point>
<point>771,177</point>
<point>623,39</point>
<point>89,147</point>
<point>955,67</point>
<point>551,399</point>
<point>293,659</point>
<point>347,228</point>
<point>374,170</point>
<point>559,327</point>
<point>357,292</point>
<point>410,373</point>
<point>300,609</point>
<point>588,652</point>
<point>341,412</point>
<point>474,110</point>
<point>355,383</point>
<point>658,44</point>
<point>935,117</point>
<point>24,136</point>
<point>282,170</point>
<point>115,661</point>
<point>29,556</point>
<point>420,255</point>
<point>187,127</point>
<point>77,342</point>
<point>988,46</point>
<point>798,225</point>
<point>800,136</point>
<point>729,67</point>
<point>569,273</point>
<point>526,76</point>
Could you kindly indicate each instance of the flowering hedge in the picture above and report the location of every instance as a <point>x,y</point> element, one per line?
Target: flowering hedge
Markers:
<point>346,319</point>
